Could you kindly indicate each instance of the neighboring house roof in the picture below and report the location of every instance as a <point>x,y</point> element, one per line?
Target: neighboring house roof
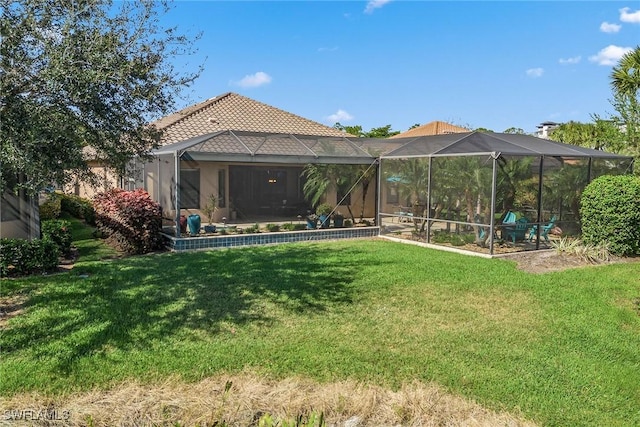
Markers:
<point>231,111</point>
<point>433,128</point>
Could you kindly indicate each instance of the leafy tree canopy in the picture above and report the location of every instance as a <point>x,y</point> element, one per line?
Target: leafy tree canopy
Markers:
<point>515,130</point>
<point>600,135</point>
<point>625,83</point>
<point>80,80</point>
<point>380,132</point>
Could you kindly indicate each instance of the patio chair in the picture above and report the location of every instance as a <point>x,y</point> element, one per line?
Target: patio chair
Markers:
<point>517,231</point>
<point>509,217</point>
<point>544,231</point>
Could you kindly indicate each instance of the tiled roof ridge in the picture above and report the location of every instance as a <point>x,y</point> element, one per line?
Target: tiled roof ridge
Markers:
<point>189,111</point>
<point>262,104</point>
<point>199,108</point>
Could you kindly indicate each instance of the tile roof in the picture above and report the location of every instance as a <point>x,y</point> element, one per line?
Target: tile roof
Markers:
<point>433,128</point>
<point>231,111</point>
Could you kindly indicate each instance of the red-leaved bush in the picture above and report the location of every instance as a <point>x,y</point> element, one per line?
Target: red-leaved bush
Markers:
<point>130,218</point>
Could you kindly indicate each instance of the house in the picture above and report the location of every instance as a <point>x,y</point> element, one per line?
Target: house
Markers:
<point>431,128</point>
<point>544,128</point>
<point>247,154</point>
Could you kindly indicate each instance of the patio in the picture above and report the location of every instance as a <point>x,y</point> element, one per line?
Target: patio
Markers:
<point>488,192</point>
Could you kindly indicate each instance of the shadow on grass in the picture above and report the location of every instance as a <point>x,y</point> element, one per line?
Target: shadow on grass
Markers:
<point>137,302</point>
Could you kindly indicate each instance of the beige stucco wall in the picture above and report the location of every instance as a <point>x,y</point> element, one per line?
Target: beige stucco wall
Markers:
<point>159,181</point>
<point>106,181</point>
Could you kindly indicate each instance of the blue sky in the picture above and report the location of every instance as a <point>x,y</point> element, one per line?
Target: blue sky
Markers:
<point>477,64</point>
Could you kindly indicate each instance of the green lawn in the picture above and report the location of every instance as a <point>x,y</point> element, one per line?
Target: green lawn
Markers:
<point>561,348</point>
<point>89,248</point>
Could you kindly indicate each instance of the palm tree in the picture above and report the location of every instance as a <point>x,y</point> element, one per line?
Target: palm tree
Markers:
<point>319,179</point>
<point>625,77</point>
<point>625,82</point>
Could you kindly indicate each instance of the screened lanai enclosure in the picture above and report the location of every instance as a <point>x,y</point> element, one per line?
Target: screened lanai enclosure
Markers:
<point>488,192</point>
<point>257,176</point>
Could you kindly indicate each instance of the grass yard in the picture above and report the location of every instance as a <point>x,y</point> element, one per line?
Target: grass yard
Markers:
<point>89,248</point>
<point>560,348</point>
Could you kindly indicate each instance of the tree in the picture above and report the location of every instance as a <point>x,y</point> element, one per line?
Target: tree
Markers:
<point>351,130</point>
<point>625,83</point>
<point>381,132</point>
<point>356,130</point>
<point>600,135</point>
<point>82,80</point>
<point>515,130</point>
<point>625,76</point>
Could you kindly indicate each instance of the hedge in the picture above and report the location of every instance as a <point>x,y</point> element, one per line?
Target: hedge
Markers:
<point>20,257</point>
<point>78,207</point>
<point>610,213</point>
<point>51,207</point>
<point>59,232</point>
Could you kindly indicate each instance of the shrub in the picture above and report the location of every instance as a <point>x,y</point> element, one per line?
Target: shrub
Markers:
<point>255,228</point>
<point>59,232</point>
<point>610,213</point>
<point>324,209</point>
<point>272,227</point>
<point>51,207</point>
<point>130,219</point>
<point>19,257</point>
<point>589,252</point>
<point>78,207</point>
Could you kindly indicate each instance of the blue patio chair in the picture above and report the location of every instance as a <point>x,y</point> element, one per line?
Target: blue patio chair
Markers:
<point>544,231</point>
<point>509,218</point>
<point>516,231</point>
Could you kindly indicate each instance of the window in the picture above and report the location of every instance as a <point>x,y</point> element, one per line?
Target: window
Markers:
<point>222,185</point>
<point>392,194</point>
<point>342,192</point>
<point>10,208</point>
<point>190,189</point>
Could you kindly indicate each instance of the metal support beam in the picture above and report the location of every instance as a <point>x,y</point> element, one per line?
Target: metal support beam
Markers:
<point>540,207</point>
<point>494,185</point>
<point>176,171</point>
<point>428,239</point>
<point>378,198</point>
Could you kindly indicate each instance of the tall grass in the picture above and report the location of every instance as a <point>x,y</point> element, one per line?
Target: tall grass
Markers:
<point>562,348</point>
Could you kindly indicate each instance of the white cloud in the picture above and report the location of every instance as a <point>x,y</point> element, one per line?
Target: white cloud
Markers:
<point>254,80</point>
<point>573,60</point>
<point>375,4</point>
<point>535,72</point>
<point>339,117</point>
<point>610,55</point>
<point>606,27</point>
<point>632,17</point>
